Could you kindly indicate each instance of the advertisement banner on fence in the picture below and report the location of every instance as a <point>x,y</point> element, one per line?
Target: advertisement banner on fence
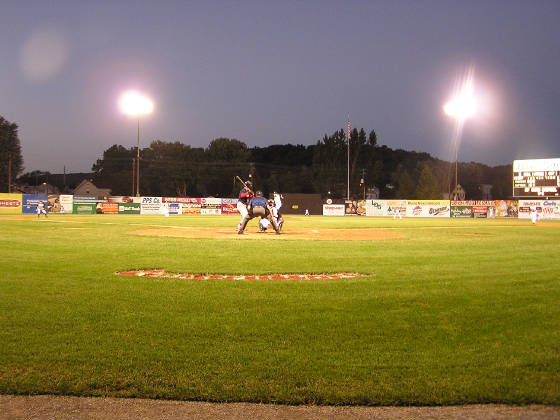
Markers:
<point>66,203</point>
<point>428,208</point>
<point>385,208</point>
<point>10,203</point>
<point>174,209</point>
<point>85,199</point>
<point>376,208</point>
<point>150,205</point>
<point>84,208</point>
<point>550,209</point>
<point>129,208</point>
<point>506,208</point>
<point>334,209</point>
<point>182,200</point>
<point>109,208</point>
<point>210,206</point>
<point>54,204</point>
<point>355,208</point>
<point>396,207</point>
<point>29,203</point>
<point>525,208</point>
<point>120,199</point>
<point>547,209</point>
<point>477,209</point>
<point>464,212</point>
<point>480,212</point>
<point>229,206</point>
<point>193,207</point>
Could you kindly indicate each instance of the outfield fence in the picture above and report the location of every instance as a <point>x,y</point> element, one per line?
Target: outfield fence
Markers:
<point>174,206</point>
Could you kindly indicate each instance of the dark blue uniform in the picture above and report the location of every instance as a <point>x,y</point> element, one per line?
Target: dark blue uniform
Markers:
<point>258,202</point>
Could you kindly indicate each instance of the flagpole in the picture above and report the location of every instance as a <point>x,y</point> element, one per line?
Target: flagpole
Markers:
<point>348,161</point>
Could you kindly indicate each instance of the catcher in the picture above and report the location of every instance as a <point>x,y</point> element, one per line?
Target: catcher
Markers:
<point>274,205</point>
<point>258,207</point>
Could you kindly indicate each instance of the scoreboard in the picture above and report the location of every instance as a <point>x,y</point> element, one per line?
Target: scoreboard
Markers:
<point>536,178</point>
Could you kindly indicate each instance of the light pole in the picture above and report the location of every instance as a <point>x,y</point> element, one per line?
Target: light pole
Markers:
<point>135,104</point>
<point>461,107</point>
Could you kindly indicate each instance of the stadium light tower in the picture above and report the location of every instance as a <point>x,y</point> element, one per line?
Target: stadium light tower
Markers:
<point>461,107</point>
<point>136,105</point>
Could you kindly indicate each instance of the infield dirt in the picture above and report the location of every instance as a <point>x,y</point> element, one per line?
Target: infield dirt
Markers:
<point>295,234</point>
<point>47,407</point>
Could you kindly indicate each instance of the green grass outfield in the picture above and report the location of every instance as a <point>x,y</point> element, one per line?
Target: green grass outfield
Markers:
<point>452,312</point>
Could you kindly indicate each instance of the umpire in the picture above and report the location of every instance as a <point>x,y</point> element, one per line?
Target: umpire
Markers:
<point>258,207</point>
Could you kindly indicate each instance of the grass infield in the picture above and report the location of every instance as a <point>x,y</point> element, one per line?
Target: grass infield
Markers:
<point>447,312</point>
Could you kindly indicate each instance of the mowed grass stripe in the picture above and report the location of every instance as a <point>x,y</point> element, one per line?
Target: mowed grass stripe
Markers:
<point>440,319</point>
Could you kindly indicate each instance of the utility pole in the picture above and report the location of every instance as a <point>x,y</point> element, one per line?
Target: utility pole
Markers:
<point>348,159</point>
<point>133,176</point>
<point>10,175</point>
<point>138,162</point>
<point>363,182</point>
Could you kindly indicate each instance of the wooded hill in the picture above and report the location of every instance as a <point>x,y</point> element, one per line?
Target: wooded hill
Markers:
<point>177,169</point>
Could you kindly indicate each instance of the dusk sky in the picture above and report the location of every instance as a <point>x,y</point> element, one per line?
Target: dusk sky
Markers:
<point>278,72</point>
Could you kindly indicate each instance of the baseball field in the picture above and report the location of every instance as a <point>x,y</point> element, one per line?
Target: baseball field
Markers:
<point>408,312</point>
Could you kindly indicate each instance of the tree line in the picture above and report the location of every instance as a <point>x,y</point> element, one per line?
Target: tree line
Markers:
<point>177,169</point>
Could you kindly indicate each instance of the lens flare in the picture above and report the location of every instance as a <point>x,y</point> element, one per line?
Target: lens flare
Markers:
<point>44,55</point>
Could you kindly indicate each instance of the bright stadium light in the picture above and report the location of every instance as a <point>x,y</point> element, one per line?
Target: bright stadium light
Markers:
<point>461,107</point>
<point>135,104</point>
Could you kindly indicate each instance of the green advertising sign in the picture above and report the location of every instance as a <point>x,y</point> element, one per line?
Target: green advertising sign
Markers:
<point>462,212</point>
<point>84,208</point>
<point>129,208</point>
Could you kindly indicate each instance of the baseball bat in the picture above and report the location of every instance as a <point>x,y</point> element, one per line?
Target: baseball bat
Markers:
<point>243,182</point>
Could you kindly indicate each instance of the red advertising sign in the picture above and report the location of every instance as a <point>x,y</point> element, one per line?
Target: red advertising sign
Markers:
<point>229,208</point>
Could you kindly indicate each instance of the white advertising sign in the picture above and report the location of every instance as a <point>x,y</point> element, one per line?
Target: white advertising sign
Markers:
<point>210,206</point>
<point>66,202</point>
<point>376,208</point>
<point>428,208</point>
<point>547,209</point>
<point>150,205</point>
<point>333,209</point>
<point>385,208</point>
<point>550,209</point>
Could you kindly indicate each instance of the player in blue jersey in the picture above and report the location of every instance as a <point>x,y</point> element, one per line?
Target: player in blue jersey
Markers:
<point>258,207</point>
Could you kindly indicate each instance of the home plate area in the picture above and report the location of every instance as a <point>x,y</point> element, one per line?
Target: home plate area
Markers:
<point>163,274</point>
